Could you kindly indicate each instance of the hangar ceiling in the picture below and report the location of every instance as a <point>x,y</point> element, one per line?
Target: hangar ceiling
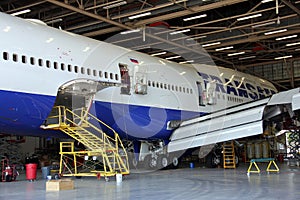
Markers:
<point>235,33</point>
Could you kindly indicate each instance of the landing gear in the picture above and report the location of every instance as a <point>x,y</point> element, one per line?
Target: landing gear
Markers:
<point>162,162</point>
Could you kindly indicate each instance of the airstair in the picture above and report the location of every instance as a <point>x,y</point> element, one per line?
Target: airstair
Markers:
<point>233,123</point>
<point>229,155</point>
<point>104,155</point>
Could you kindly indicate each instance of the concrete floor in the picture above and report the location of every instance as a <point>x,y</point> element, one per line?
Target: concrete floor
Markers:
<point>196,183</point>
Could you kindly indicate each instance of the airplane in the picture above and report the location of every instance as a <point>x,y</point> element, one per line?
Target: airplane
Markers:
<point>43,66</point>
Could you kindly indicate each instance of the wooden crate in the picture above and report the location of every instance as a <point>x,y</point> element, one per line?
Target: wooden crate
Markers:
<point>61,184</point>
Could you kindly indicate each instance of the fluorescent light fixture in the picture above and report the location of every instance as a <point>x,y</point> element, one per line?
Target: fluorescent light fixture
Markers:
<point>264,24</point>
<point>182,31</point>
<point>158,54</point>
<point>115,5</point>
<point>199,37</point>
<point>211,44</point>
<point>54,21</point>
<point>274,32</point>
<point>188,61</point>
<point>234,54</point>
<point>173,57</point>
<point>287,37</point>
<point>249,57</point>
<point>266,1</point>
<point>130,31</point>
<point>139,15</point>
<point>292,44</point>
<point>224,48</point>
<point>249,17</point>
<point>283,57</point>
<point>297,49</point>
<point>194,17</point>
<point>21,12</point>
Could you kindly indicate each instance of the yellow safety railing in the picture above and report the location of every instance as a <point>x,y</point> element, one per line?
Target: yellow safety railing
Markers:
<point>77,124</point>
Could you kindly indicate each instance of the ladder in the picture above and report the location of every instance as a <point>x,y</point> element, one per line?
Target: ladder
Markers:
<point>85,128</point>
<point>228,155</point>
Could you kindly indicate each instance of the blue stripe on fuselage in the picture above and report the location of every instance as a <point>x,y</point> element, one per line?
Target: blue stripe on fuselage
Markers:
<point>23,113</point>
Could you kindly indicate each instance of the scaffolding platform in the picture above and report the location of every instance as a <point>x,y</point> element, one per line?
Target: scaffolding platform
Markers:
<point>104,156</point>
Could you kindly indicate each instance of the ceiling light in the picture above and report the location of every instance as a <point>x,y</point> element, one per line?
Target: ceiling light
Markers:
<point>188,61</point>
<point>274,32</point>
<point>182,31</point>
<point>287,37</point>
<point>130,31</point>
<point>234,54</point>
<point>211,44</point>
<point>224,48</point>
<point>21,12</point>
<point>266,1</point>
<point>158,54</point>
<point>297,49</point>
<point>139,15</point>
<point>249,57</point>
<point>264,24</point>
<point>173,57</point>
<point>194,17</point>
<point>283,57</point>
<point>115,5</point>
<point>54,21</point>
<point>292,44</point>
<point>249,17</point>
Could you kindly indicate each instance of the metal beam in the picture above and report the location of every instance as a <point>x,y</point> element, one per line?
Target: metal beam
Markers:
<point>291,6</point>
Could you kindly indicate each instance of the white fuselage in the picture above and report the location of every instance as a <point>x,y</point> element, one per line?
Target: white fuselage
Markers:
<point>37,60</point>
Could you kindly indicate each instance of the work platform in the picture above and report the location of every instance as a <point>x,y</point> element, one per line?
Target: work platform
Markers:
<point>233,123</point>
<point>104,156</point>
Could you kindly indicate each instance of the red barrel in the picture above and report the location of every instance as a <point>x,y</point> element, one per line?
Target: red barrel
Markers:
<point>31,171</point>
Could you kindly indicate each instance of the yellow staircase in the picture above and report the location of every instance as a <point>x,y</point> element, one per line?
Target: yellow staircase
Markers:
<point>104,150</point>
<point>228,155</point>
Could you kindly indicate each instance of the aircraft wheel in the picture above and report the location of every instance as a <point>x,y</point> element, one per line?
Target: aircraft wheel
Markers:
<point>174,162</point>
<point>162,162</point>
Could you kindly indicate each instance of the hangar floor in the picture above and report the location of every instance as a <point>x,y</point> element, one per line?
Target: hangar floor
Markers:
<point>195,183</point>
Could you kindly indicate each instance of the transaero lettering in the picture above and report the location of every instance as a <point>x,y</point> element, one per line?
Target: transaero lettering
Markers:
<point>245,89</point>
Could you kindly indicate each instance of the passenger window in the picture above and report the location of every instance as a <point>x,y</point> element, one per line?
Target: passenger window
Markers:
<point>40,61</point>
<point>111,76</point>
<point>69,68</point>
<point>24,59</point>
<point>32,60</point>
<point>117,77</point>
<point>76,69</point>
<point>82,70</point>
<point>94,72</point>
<point>105,75</point>
<point>48,63</point>
<point>5,56</point>
<point>62,66</point>
<point>55,65</point>
<point>15,57</point>
<point>88,71</point>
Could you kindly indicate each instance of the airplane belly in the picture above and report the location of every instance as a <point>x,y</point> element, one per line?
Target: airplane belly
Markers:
<point>23,113</point>
<point>139,122</point>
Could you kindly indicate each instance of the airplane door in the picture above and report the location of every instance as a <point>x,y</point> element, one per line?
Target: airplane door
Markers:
<point>125,79</point>
<point>201,94</point>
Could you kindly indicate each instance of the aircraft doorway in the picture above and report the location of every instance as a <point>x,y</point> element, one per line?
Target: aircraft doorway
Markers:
<point>125,79</point>
<point>76,95</point>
